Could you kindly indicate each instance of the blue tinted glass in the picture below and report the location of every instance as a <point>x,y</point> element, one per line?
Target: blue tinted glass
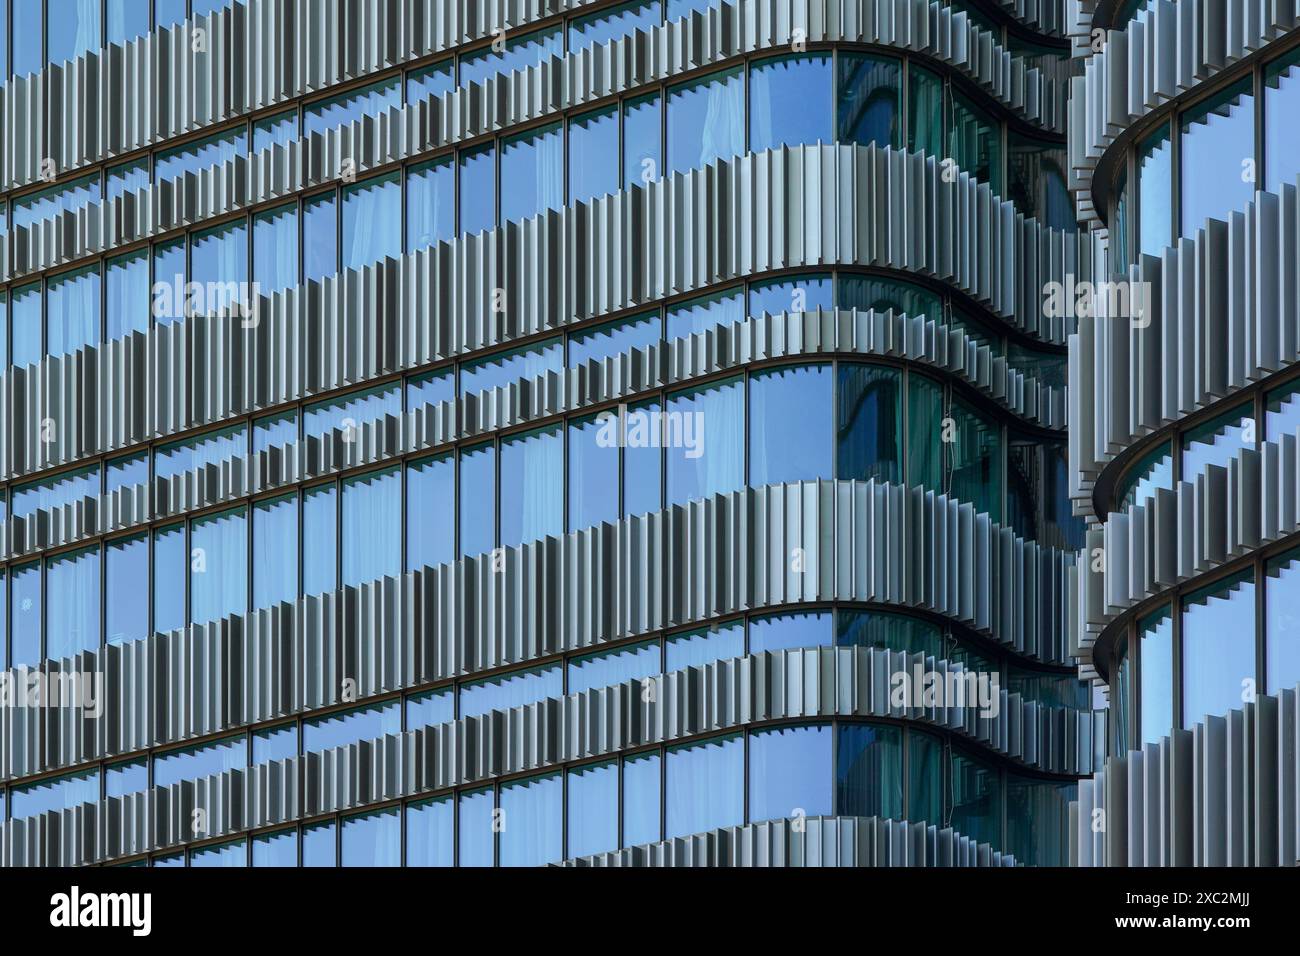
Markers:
<point>320,237</point>
<point>276,849</point>
<point>430,514</point>
<point>194,763</point>
<point>706,312</point>
<point>168,301</point>
<point>127,178</point>
<point>175,859</point>
<point>277,743</point>
<point>1155,173</point>
<point>351,106</point>
<point>475,837</point>
<point>1217,152</point>
<point>275,431</point>
<point>275,250</point>
<point>320,539</point>
<point>593,154</point>
<point>212,448</point>
<point>126,295</point>
<point>126,20</point>
<point>1281,415</point>
<point>58,793</point>
<point>704,433</point>
<point>506,367</point>
<point>1217,442</point>
<point>703,647</point>
<point>614,339</point>
<point>219,269</point>
<point>531,499</point>
<point>706,120</point>
<point>641,799</point>
<point>976,797</point>
<point>1281,134</point>
<point>25,313</point>
<point>319,845</point>
<point>72,311</point>
<point>478,174</point>
<point>869,99</point>
<point>74,28</point>
<point>511,690</point>
<point>436,80</point>
<point>372,221</point>
<point>430,203</point>
<point>1153,472</point>
<point>278,130</point>
<point>219,567</point>
<point>200,154</point>
<point>127,614</point>
<point>1282,622</point>
<point>73,588</point>
<point>431,389</point>
<point>593,472</point>
<point>25,620</point>
<point>613,667</point>
<point>642,137</point>
<point>790,773</point>
<point>170,564</point>
<point>55,492</point>
<point>870,422</point>
<point>430,839</point>
<point>202,8</point>
<point>593,809</point>
<point>351,412</point>
<point>372,530</point>
<point>27,23</point>
<point>1218,648</point>
<point>227,854</point>
<point>477,505</point>
<point>790,100</point>
<point>642,460</point>
<point>679,8</point>
<point>705,786</point>
<point>4,317</point>
<point>123,778</point>
<point>895,632</point>
<point>925,762</point>
<point>338,730</point>
<point>778,632</point>
<point>533,825</point>
<point>800,294</point>
<point>606,25</point>
<point>56,200</point>
<point>430,709</point>
<point>1156,686</point>
<point>167,12</point>
<point>869,771</point>
<point>275,551</point>
<point>532,173</point>
<point>126,472</point>
<point>520,53</point>
<point>791,428</point>
<point>373,839</point>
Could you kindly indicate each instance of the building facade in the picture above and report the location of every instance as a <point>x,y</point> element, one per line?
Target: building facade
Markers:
<point>452,433</point>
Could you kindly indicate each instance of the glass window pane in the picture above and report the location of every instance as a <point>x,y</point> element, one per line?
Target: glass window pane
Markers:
<point>613,339</point>
<point>1038,183</point>
<point>430,514</point>
<point>1282,410</point>
<point>593,471</point>
<point>975,458</point>
<point>430,203</point>
<point>532,824</point>
<point>372,533</point>
<point>705,786</point>
<point>869,99</point>
<point>925,111</point>
<point>349,726</point>
<point>320,845</point>
<point>607,668</point>
<point>219,267</point>
<point>870,422</point>
<point>511,690</point>
<point>593,154</point>
<point>275,743</point>
<point>593,809</point>
<point>436,80</point>
<point>790,773</point>
<point>127,613</point>
<point>72,583</point>
<point>131,776</point>
<point>478,189</point>
<point>349,107</point>
<point>25,620</point>
<point>924,778</point>
<point>642,459</point>
<point>532,173</point>
<point>1156,667</point>
<point>975,141</point>
<point>478,507</point>
<point>705,120</point>
<point>430,839</point>
<point>1217,153</point>
<point>719,643</point>
<point>475,837</point>
<point>797,294</point>
<point>706,312</point>
<point>1281,134</point>
<point>620,21</point>
<point>55,793</point>
<point>1038,820</point>
<point>1155,175</point>
<point>432,388</point>
<point>275,431</point>
<point>26,305</point>
<point>1217,442</point>
<point>174,163</point>
<point>72,302</point>
<point>373,839</point>
<point>320,237</point>
<point>1218,647</point>
<point>779,632</point>
<point>275,551</point>
<point>278,130</point>
<point>167,304</point>
<point>642,785</point>
<point>1282,622</point>
<point>430,708</point>
<point>126,295</point>
<point>372,221</point>
<point>976,800</point>
<point>275,249</point>
<point>528,362</point>
<point>352,412</point>
<point>195,763</point>
<point>790,425</point>
<point>224,855</point>
<point>642,135</point>
<point>276,849</point>
<point>704,435</point>
<point>74,28</point>
<point>219,567</point>
<point>790,101</point>
<point>1140,482</point>
<point>531,499</point>
<point>520,53</point>
<point>170,567</point>
<point>320,550</point>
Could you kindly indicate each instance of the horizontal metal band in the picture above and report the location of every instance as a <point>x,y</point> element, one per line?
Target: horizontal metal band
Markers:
<point>103,95</point>
<point>822,841</point>
<point>811,206</point>
<point>821,682</point>
<point>1223,314</point>
<point>1221,794</point>
<point>685,565</point>
<point>1178,46</point>
<point>625,377</point>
